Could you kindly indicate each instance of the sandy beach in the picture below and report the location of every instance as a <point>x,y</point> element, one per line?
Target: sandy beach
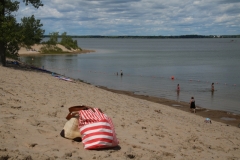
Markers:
<point>36,48</point>
<point>34,105</point>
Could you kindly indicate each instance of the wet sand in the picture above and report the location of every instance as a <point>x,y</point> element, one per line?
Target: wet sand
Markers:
<point>216,115</point>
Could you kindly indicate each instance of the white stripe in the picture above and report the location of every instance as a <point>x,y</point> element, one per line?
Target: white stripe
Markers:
<point>99,142</point>
<point>97,130</point>
<point>95,124</point>
<point>97,136</point>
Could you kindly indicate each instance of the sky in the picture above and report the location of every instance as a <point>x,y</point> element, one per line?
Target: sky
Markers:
<point>137,17</point>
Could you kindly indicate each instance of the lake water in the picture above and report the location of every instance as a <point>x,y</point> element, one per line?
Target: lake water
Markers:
<point>149,64</point>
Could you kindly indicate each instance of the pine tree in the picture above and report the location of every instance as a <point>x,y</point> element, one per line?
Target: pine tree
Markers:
<point>13,34</point>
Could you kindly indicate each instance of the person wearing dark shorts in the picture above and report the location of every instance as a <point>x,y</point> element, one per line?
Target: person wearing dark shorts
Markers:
<point>192,105</point>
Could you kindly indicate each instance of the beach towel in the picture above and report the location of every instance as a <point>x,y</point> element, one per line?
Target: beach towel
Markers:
<point>97,129</point>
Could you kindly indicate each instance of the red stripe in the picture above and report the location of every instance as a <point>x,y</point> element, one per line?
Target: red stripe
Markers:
<point>100,114</point>
<point>95,122</point>
<point>95,127</point>
<point>88,117</point>
<point>115,141</point>
<point>96,134</point>
<point>96,115</point>
<point>98,146</point>
<point>99,140</point>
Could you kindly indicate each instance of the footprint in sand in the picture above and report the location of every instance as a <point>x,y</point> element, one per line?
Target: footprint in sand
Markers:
<point>32,145</point>
<point>34,122</point>
<point>42,131</point>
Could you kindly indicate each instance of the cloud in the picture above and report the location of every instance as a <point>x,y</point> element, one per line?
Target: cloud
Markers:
<point>229,1</point>
<point>138,17</point>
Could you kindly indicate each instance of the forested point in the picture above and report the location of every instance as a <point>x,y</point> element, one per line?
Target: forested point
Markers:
<point>50,46</point>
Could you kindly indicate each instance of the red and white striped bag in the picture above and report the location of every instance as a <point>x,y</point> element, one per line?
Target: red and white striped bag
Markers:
<point>97,129</point>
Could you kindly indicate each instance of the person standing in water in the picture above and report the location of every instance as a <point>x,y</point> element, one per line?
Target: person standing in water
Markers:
<point>121,73</point>
<point>192,105</point>
<point>212,87</point>
<point>178,88</point>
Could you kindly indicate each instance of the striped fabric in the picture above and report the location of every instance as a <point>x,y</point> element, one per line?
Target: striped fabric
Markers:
<point>97,129</point>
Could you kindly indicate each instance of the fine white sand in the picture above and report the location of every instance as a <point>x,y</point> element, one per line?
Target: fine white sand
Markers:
<point>34,105</point>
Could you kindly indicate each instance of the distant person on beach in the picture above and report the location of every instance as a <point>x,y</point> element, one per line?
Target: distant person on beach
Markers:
<point>117,73</point>
<point>178,88</point>
<point>121,73</point>
<point>212,87</point>
<point>192,105</point>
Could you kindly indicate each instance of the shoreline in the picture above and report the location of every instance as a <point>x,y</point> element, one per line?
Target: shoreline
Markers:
<point>34,105</point>
<point>225,117</point>
<point>216,115</point>
<point>30,53</point>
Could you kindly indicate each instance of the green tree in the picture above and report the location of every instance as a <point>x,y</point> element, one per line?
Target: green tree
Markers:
<point>68,42</point>
<point>50,46</point>
<point>53,40</point>
<point>12,34</point>
<point>31,30</point>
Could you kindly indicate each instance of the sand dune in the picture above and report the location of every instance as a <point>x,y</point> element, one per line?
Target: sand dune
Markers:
<point>33,107</point>
<point>36,48</point>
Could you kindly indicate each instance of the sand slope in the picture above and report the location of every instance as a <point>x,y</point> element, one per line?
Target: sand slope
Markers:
<point>36,48</point>
<point>33,107</point>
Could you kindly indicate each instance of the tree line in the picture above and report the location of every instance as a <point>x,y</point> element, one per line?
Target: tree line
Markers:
<point>155,37</point>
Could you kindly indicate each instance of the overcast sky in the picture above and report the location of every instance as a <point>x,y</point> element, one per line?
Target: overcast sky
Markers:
<point>138,17</point>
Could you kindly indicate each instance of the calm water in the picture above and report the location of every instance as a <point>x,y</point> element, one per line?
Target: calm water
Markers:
<point>148,64</point>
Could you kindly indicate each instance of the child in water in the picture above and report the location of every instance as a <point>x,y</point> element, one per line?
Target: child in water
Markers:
<point>192,105</point>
